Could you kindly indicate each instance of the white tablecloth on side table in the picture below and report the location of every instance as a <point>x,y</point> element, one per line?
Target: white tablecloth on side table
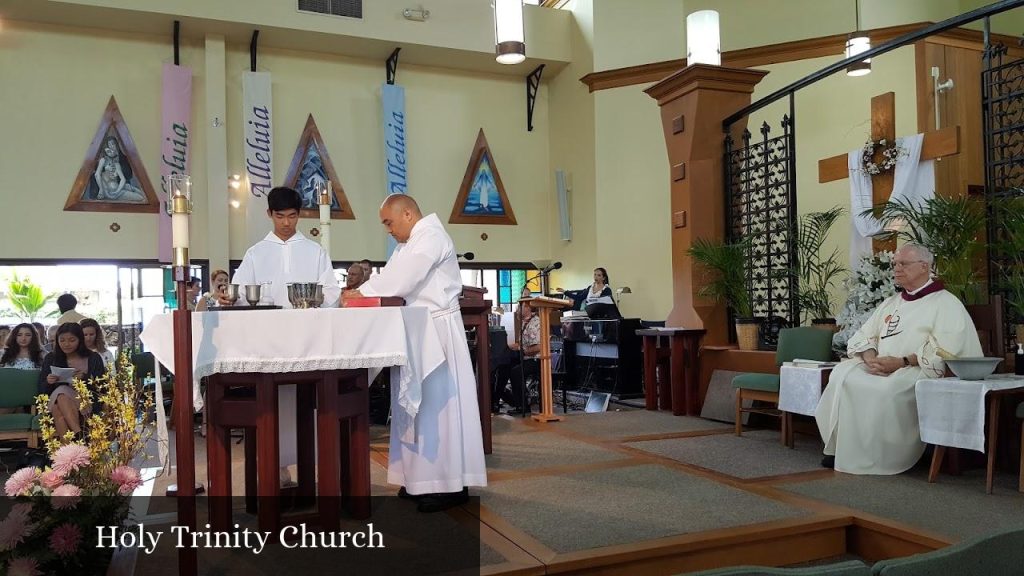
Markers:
<point>952,411</point>
<point>305,340</point>
<point>800,388</point>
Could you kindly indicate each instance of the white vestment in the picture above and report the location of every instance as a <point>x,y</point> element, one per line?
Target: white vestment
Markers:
<point>280,262</point>
<point>440,449</point>
<point>870,422</point>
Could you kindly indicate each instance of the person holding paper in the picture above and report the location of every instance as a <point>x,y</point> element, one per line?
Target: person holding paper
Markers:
<point>70,359</point>
<point>285,256</point>
<point>436,450</point>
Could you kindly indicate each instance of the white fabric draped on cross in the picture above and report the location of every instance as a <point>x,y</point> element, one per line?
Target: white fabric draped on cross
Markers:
<point>914,181</point>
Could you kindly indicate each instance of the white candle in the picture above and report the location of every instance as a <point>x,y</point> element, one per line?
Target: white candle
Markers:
<point>179,230</point>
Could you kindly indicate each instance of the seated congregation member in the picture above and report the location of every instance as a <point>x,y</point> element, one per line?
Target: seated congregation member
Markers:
<point>285,256</point>
<point>367,268</point>
<point>96,342</point>
<point>355,277</point>
<point>529,345</point>
<point>219,281</point>
<point>70,352</point>
<point>5,332</point>
<point>67,303</point>
<point>23,350</point>
<point>868,413</point>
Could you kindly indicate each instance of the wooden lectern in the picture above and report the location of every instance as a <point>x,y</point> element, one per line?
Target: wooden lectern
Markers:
<point>544,306</point>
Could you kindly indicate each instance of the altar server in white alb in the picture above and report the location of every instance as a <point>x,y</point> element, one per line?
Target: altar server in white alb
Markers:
<point>435,455</point>
<point>868,413</point>
<point>285,256</point>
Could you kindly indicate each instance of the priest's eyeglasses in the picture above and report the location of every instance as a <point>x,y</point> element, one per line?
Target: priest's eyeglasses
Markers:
<point>903,264</point>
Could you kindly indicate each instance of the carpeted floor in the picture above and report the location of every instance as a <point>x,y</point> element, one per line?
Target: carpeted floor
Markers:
<point>756,454</point>
<point>615,506</point>
<point>954,506</point>
<point>512,451</point>
<point>629,423</point>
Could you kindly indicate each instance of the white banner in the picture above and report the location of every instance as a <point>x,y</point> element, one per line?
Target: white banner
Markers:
<point>395,151</point>
<point>259,151</point>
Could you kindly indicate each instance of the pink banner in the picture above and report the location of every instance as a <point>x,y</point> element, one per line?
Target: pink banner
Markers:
<point>175,120</point>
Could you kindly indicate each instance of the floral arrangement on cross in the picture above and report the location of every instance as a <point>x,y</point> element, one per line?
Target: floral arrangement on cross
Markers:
<point>892,151</point>
<point>51,527</point>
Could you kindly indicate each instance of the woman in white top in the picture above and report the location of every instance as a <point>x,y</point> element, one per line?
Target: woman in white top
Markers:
<point>598,293</point>
<point>95,342</point>
<point>23,350</point>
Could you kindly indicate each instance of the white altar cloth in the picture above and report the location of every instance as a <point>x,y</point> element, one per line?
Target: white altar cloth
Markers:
<point>800,388</point>
<point>298,340</point>
<point>951,411</point>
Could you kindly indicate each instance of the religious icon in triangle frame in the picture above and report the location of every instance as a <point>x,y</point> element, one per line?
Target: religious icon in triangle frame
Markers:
<point>482,198</point>
<point>112,177</point>
<point>311,164</point>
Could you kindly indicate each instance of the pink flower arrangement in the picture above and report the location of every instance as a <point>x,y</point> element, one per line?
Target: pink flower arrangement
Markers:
<point>16,527</point>
<point>23,567</point>
<point>66,496</point>
<point>21,482</point>
<point>70,458</point>
<point>51,479</point>
<point>127,479</point>
<point>65,538</point>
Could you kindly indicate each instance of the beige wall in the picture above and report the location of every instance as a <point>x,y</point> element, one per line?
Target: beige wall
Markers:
<point>56,96</point>
<point>56,84</point>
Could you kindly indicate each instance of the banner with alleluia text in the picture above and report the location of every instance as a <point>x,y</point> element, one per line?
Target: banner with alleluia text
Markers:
<point>395,151</point>
<point>259,151</point>
<point>175,141</point>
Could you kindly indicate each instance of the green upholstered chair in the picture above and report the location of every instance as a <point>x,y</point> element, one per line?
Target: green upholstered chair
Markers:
<point>999,554</point>
<point>804,342</point>
<point>18,389</point>
<point>848,568</point>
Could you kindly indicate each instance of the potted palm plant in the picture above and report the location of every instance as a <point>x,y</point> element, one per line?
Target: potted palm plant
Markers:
<point>951,228</point>
<point>815,272</point>
<point>725,280</point>
<point>1008,249</point>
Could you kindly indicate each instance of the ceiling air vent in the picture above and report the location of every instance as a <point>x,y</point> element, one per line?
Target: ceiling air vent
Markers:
<point>348,8</point>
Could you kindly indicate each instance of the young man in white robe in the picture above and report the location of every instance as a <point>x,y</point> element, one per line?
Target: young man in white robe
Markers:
<point>438,452</point>
<point>868,413</point>
<point>285,256</point>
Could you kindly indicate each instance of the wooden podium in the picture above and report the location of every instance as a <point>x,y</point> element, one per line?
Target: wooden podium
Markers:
<point>544,306</point>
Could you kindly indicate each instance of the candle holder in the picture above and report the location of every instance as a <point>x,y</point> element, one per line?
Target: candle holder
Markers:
<point>324,196</point>
<point>179,207</point>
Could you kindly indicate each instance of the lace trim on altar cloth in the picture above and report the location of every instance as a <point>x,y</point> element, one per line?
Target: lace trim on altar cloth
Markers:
<point>301,365</point>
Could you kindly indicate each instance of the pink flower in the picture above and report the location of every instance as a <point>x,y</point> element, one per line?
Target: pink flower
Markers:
<point>65,538</point>
<point>51,479</point>
<point>66,496</point>
<point>14,529</point>
<point>23,567</point>
<point>21,481</point>
<point>127,478</point>
<point>70,458</point>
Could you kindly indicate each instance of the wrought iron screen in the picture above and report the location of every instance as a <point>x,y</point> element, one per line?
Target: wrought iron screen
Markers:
<point>1003,123</point>
<point>760,180</point>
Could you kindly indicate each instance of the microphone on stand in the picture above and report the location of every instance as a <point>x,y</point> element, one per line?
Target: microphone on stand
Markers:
<point>553,266</point>
<point>466,256</point>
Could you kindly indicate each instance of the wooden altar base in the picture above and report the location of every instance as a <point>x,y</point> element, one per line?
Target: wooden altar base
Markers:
<point>593,495</point>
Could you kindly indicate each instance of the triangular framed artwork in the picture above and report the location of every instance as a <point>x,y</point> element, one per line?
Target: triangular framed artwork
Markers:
<point>482,198</point>
<point>312,164</point>
<point>112,177</point>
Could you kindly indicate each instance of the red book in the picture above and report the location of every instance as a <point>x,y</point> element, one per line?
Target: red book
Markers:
<point>372,302</point>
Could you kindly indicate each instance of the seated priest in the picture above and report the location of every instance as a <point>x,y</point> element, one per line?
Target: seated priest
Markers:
<point>285,256</point>
<point>868,413</point>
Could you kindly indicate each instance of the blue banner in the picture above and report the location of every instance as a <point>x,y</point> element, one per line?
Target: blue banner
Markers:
<point>395,152</point>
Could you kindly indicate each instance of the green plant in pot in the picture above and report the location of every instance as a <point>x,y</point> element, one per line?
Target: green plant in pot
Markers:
<point>815,272</point>
<point>1008,257</point>
<point>951,228</point>
<point>726,281</point>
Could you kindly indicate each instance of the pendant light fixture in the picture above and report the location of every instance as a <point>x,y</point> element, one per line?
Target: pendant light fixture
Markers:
<point>509,38</point>
<point>857,43</point>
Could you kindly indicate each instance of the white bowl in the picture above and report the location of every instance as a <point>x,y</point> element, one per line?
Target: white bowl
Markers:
<point>973,368</point>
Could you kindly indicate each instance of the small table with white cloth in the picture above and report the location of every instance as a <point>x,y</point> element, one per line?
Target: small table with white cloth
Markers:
<point>305,343</point>
<point>800,390</point>
<point>951,413</point>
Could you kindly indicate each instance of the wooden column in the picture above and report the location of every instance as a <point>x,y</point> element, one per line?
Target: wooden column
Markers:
<point>693,102</point>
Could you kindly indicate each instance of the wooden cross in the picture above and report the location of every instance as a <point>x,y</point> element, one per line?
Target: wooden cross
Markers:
<point>944,142</point>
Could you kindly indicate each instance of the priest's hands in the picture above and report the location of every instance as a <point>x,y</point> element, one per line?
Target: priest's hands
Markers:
<point>883,365</point>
